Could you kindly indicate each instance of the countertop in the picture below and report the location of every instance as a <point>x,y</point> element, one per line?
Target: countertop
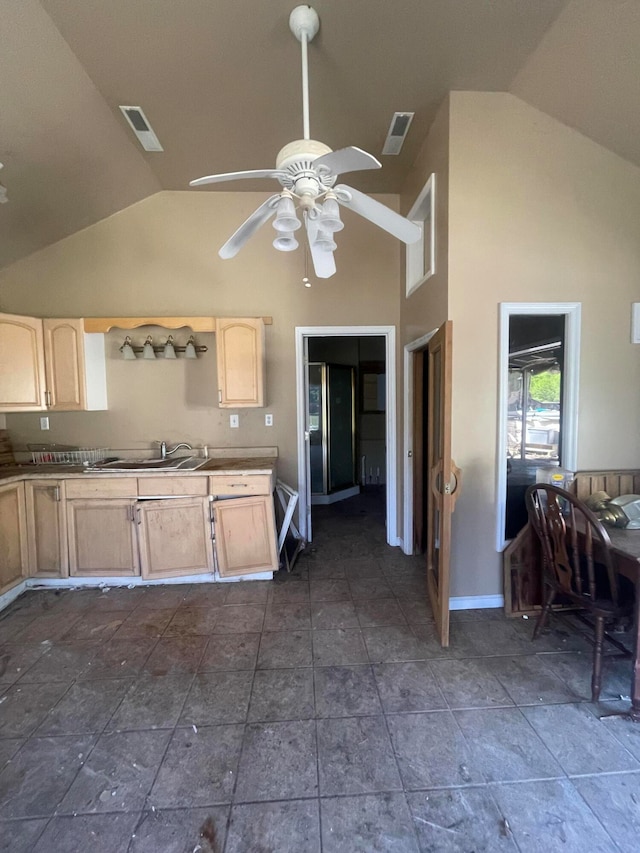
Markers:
<point>222,465</point>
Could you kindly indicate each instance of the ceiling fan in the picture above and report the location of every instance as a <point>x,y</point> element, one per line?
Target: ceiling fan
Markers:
<point>307,171</point>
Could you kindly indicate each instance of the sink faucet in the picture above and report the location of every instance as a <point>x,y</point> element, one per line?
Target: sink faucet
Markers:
<point>164,452</point>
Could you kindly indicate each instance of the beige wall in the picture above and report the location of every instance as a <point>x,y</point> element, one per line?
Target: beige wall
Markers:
<point>537,213</point>
<point>159,257</point>
<point>426,308</point>
<point>527,210</point>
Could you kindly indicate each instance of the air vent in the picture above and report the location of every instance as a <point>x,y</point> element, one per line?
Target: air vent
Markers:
<point>142,129</point>
<point>398,130</point>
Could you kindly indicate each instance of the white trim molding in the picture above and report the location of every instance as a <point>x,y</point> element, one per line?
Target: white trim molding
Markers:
<point>10,596</point>
<point>476,602</point>
<point>422,214</point>
<point>407,509</point>
<point>389,333</point>
<point>570,383</point>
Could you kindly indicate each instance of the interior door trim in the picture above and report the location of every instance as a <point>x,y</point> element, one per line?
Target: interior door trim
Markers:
<point>407,514</point>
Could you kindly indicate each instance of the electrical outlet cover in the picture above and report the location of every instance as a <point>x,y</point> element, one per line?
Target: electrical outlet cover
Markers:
<point>268,420</point>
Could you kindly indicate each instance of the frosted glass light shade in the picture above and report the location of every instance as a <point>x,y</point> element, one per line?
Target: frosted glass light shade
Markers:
<point>329,218</point>
<point>190,349</point>
<point>147,349</point>
<point>286,218</point>
<point>285,242</point>
<point>128,353</point>
<point>169,349</point>
<point>324,241</point>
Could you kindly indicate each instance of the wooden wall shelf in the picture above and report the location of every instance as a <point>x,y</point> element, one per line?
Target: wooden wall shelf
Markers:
<point>196,324</point>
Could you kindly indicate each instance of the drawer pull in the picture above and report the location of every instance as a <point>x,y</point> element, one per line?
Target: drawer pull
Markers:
<point>239,485</point>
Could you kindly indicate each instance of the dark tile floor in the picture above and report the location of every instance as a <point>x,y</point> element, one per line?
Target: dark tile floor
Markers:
<point>314,712</point>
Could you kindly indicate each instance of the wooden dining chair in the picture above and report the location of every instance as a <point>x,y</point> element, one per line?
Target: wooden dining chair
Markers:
<point>577,564</point>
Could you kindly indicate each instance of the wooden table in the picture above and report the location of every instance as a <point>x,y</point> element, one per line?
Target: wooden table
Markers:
<point>626,545</point>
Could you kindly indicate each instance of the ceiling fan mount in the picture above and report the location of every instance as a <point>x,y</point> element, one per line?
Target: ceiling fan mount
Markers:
<point>307,170</point>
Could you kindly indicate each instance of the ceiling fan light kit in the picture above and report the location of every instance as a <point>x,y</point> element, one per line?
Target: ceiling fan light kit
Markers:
<point>307,171</point>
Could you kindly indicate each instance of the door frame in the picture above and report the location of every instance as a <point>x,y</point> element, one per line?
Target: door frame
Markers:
<point>570,380</point>
<point>302,333</point>
<point>417,345</point>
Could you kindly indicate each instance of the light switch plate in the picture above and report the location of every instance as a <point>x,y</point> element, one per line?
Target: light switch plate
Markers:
<point>234,421</point>
<point>268,420</point>
<point>44,423</point>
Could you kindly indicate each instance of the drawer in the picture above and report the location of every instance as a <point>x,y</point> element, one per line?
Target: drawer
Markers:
<point>102,487</point>
<point>167,485</point>
<point>251,484</point>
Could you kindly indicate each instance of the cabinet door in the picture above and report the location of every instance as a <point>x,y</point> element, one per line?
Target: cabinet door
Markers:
<point>175,537</point>
<point>13,536</point>
<point>245,536</point>
<point>64,364</point>
<point>102,538</point>
<point>46,529</point>
<point>240,358</point>
<point>75,367</point>
<point>21,364</point>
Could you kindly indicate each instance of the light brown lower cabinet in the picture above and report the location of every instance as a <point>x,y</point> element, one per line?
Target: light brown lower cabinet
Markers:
<point>102,530</point>
<point>46,529</point>
<point>245,535</point>
<point>174,537</point>
<point>102,537</point>
<point>13,536</point>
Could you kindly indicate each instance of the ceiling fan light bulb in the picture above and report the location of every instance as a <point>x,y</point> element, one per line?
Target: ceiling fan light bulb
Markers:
<point>286,218</point>
<point>285,242</point>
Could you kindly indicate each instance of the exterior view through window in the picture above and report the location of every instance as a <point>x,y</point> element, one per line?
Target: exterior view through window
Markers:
<point>534,416</point>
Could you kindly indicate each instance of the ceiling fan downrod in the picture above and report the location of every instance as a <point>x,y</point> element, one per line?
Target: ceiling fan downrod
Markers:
<point>304,23</point>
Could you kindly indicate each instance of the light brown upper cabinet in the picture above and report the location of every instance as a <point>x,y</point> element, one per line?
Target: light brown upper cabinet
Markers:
<point>240,353</point>
<point>22,383</point>
<point>50,364</point>
<point>74,367</point>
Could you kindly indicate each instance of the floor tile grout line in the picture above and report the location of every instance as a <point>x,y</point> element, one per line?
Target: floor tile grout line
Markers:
<point>244,730</point>
<point>396,758</point>
<point>317,737</point>
<point>169,742</point>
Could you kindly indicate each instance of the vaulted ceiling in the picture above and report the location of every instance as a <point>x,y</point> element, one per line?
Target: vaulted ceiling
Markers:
<point>219,80</point>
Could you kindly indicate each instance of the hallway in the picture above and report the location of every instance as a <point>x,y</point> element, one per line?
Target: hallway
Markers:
<point>313,713</point>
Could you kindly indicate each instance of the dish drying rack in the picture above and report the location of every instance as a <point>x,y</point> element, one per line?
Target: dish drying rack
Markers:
<point>59,454</point>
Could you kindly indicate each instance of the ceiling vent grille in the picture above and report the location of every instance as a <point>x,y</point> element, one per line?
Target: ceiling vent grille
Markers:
<point>142,129</point>
<point>397,133</point>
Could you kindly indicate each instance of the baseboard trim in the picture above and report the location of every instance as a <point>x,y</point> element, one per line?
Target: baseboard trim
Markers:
<point>7,597</point>
<point>85,583</point>
<point>334,497</point>
<point>476,602</point>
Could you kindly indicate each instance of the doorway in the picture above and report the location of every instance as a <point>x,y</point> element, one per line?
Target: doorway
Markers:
<point>369,391</point>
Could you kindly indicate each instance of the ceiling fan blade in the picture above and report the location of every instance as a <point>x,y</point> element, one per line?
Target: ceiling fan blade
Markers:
<point>324,264</point>
<point>249,227</point>
<point>377,213</point>
<point>350,159</point>
<point>235,176</point>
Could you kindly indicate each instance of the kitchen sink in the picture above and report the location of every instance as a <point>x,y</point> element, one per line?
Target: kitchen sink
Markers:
<point>185,463</point>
